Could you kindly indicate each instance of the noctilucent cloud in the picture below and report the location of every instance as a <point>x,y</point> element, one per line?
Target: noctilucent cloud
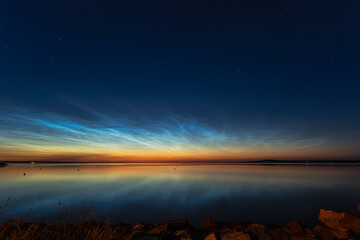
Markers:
<point>179,80</point>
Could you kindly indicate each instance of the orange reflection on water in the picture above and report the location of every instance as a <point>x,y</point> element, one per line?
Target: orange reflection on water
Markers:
<point>301,175</point>
<point>158,192</point>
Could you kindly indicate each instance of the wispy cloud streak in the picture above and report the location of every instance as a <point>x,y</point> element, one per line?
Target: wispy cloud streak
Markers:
<point>137,134</point>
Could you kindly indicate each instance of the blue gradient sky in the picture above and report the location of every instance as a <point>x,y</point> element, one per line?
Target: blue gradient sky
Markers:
<point>179,80</point>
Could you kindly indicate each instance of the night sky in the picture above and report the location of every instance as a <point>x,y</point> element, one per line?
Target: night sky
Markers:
<point>179,80</point>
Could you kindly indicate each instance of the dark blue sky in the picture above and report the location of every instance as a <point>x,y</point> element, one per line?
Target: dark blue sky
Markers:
<point>251,79</point>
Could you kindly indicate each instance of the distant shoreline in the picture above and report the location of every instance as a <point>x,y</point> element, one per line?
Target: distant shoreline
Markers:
<point>2,164</point>
<point>268,162</point>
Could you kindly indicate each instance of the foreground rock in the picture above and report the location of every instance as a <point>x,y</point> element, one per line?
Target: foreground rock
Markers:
<point>235,235</point>
<point>209,225</point>
<point>255,229</point>
<point>342,225</point>
<point>335,226</point>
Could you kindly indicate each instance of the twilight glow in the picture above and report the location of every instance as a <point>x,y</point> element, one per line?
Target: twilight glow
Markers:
<point>166,81</point>
<point>167,137</point>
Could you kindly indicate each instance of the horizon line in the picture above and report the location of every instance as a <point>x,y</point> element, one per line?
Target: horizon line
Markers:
<point>204,162</point>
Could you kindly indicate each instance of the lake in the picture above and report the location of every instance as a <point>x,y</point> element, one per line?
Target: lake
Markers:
<point>134,193</point>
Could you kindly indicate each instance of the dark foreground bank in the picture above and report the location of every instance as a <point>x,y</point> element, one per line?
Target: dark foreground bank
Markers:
<point>332,226</point>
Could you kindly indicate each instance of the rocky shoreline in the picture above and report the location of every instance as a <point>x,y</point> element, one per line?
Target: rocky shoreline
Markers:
<point>333,226</point>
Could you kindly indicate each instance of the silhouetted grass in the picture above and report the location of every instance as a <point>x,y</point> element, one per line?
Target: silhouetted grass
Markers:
<point>19,227</point>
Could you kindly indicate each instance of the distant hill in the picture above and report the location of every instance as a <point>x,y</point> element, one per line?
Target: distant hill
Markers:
<point>273,161</point>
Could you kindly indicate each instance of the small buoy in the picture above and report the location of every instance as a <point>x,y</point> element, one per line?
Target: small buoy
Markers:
<point>24,174</point>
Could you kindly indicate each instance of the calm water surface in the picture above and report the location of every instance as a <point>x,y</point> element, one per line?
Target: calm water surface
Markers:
<point>155,193</point>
